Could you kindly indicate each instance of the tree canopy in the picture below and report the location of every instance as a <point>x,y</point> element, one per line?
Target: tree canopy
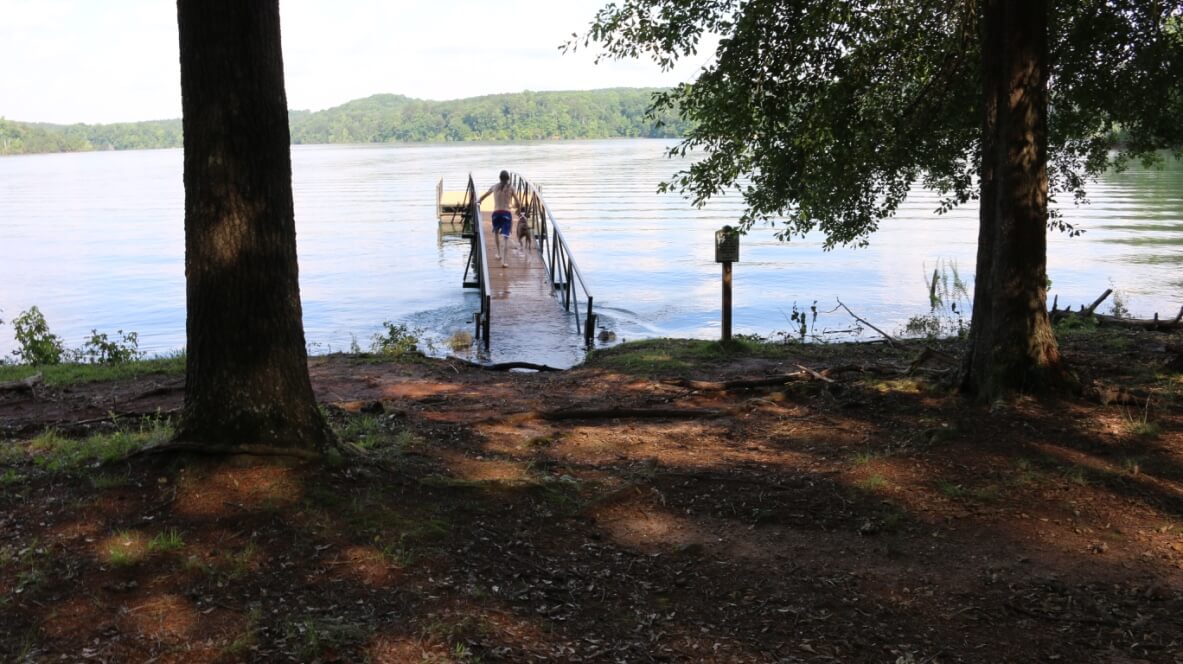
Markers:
<point>823,113</point>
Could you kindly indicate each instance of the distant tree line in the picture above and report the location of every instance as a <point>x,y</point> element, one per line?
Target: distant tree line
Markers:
<point>28,138</point>
<point>609,113</point>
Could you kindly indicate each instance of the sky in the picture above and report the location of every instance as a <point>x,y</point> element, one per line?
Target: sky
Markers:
<point>99,61</point>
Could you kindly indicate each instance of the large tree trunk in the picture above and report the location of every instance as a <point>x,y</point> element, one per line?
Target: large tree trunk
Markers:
<point>1012,346</point>
<point>247,383</point>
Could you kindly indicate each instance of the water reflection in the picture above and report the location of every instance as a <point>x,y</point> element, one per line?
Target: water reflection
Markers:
<point>96,240</point>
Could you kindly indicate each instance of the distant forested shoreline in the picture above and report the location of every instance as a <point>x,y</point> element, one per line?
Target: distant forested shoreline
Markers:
<point>386,118</point>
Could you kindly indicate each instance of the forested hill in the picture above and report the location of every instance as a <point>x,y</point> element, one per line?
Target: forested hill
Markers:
<point>610,113</point>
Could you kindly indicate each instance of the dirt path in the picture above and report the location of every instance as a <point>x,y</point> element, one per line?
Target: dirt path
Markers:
<point>618,513</point>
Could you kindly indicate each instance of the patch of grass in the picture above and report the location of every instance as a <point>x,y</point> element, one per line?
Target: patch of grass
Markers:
<point>873,482</point>
<point>400,554</point>
<point>365,431</point>
<point>1025,473</point>
<point>1145,429</point>
<point>676,357</point>
<point>248,637</point>
<point>1071,326</point>
<point>31,559</point>
<point>455,629</point>
<point>124,549</point>
<point>169,540</point>
<point>894,520</point>
<point>106,481</point>
<point>241,562</point>
<point>1139,424</point>
<point>865,457</point>
<point>11,477</point>
<point>314,636</point>
<point>952,490</point>
<point>74,374</point>
<point>55,452</point>
<point>1132,465</point>
<point>1077,475</point>
<point>374,434</point>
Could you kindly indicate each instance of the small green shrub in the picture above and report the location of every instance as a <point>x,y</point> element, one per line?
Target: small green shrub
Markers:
<point>803,322</point>
<point>100,349</point>
<point>397,340</point>
<point>37,344</point>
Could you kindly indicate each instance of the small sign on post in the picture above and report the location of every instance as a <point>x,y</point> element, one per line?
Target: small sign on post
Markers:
<point>727,252</point>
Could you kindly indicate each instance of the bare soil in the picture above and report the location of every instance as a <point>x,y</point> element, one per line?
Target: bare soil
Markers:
<point>617,513</point>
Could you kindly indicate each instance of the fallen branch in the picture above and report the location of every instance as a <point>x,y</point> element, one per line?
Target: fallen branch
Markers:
<point>890,341</point>
<point>1096,303</point>
<point>22,385</point>
<point>1150,324</point>
<point>503,366</point>
<point>815,375</point>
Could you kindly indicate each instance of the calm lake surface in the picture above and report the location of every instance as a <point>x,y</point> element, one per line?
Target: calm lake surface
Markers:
<point>95,240</point>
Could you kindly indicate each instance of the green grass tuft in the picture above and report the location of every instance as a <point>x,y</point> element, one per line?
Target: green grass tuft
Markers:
<point>873,482</point>
<point>169,540</point>
<point>55,452</point>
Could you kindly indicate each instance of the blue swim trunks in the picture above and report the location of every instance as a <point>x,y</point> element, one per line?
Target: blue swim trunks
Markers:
<point>502,221</point>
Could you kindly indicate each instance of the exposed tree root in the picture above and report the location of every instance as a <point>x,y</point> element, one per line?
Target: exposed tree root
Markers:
<point>503,366</point>
<point>175,447</point>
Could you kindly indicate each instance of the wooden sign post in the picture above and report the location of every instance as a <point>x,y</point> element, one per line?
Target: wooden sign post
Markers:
<point>727,252</point>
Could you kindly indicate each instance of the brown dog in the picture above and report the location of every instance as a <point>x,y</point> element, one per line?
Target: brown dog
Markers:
<point>525,237</point>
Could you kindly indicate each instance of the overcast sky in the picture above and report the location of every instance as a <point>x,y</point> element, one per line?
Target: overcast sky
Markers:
<point>101,61</point>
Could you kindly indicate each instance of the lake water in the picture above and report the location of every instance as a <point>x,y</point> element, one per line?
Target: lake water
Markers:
<point>95,240</point>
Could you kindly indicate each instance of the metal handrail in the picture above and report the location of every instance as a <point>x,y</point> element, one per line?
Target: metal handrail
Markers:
<point>560,264</point>
<point>478,261</point>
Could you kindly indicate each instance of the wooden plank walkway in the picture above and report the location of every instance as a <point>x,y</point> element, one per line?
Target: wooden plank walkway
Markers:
<point>528,324</point>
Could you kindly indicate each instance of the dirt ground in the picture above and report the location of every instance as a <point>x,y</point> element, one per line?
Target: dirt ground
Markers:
<point>619,512</point>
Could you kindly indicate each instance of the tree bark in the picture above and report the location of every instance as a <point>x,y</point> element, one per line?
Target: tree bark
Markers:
<point>247,377</point>
<point>1012,346</point>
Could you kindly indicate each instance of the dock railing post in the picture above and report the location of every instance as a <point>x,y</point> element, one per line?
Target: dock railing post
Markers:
<point>589,324</point>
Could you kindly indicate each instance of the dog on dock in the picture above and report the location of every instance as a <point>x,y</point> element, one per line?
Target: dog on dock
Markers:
<point>525,237</point>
